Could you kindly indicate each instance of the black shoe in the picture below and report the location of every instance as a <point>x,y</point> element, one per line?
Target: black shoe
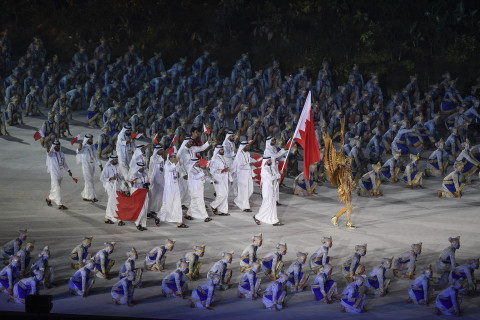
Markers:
<point>256,220</point>
<point>108,221</point>
<point>278,224</point>
<point>140,228</point>
<point>150,215</point>
<point>157,222</point>
<point>95,200</point>
<point>247,210</point>
<point>121,223</point>
<point>214,210</point>
<point>49,202</point>
<point>278,203</point>
<point>188,217</point>
<point>184,207</point>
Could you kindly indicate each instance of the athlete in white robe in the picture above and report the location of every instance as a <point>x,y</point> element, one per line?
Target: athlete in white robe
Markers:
<point>112,181</point>
<point>196,180</point>
<point>243,168</point>
<point>88,157</point>
<point>271,151</point>
<point>125,147</point>
<point>229,156</point>
<point>171,210</point>
<point>139,180</point>
<point>185,153</point>
<point>222,181</point>
<point>268,209</point>
<point>138,156</point>
<point>156,178</point>
<point>55,164</point>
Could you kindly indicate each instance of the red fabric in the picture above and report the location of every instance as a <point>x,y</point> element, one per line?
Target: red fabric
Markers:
<point>74,140</point>
<point>206,130</point>
<point>174,139</point>
<point>256,156</point>
<point>257,171</point>
<point>155,140</point>
<point>203,162</point>
<point>289,144</point>
<point>307,138</point>
<point>74,179</point>
<point>225,170</point>
<point>257,164</point>
<point>171,150</point>
<point>128,208</point>
<point>37,136</point>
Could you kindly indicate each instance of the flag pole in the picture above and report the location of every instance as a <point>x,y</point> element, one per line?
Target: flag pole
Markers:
<point>309,97</point>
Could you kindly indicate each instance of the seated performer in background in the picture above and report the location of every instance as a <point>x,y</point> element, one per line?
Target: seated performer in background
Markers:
<point>412,176</point>
<point>453,183</point>
<point>369,184</point>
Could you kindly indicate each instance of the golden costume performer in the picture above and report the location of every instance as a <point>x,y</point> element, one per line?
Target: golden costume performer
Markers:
<point>337,168</point>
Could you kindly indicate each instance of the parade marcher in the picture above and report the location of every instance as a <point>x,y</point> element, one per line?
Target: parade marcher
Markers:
<point>221,268</point>
<point>27,286</point>
<point>9,275</point>
<point>453,183</point>
<point>125,147</point>
<point>405,263</point>
<point>448,301</point>
<point>412,176</point>
<point>465,274</point>
<point>352,266</point>
<point>249,285</point>
<point>446,260</point>
<point>55,164</point>
<point>243,169</point>
<point>102,260</point>
<point>353,297</point>
<point>376,279</point>
<point>272,152</point>
<point>229,157</point>
<point>193,260</point>
<point>80,253</point>
<point>272,264</point>
<point>249,254</point>
<point>323,287</point>
<point>420,289</point>
<point>196,180</point>
<point>156,177</point>
<point>83,279</point>
<point>175,284</point>
<point>296,278</point>
<point>42,264</point>
<point>274,296</point>
<point>87,156</point>
<point>122,291</point>
<point>171,210</point>
<point>268,210</point>
<point>11,248</point>
<point>320,257</point>
<point>155,258</point>
<point>112,180</point>
<point>203,296</point>
<point>139,180</point>
<point>222,179</point>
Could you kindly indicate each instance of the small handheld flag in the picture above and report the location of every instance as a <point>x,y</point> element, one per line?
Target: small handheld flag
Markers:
<point>38,135</point>
<point>75,139</point>
<point>205,129</point>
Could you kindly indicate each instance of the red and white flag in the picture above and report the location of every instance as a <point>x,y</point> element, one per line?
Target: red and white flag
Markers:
<point>174,139</point>
<point>289,144</point>
<point>136,135</point>
<point>205,129</point>
<point>305,136</point>
<point>75,139</point>
<point>155,140</point>
<point>38,135</point>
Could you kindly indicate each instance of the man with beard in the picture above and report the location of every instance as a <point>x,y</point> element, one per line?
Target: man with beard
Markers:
<point>87,156</point>
<point>55,164</point>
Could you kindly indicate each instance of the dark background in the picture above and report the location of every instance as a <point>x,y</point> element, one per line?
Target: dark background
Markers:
<point>392,37</point>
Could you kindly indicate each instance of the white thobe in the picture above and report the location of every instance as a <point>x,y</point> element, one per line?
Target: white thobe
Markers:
<point>185,155</point>
<point>271,151</point>
<point>171,205</point>
<point>125,147</point>
<point>157,181</point>
<point>268,209</point>
<point>111,187</point>
<point>221,183</point>
<point>56,163</point>
<point>244,180</point>
<point>140,179</point>
<point>196,180</point>
<point>89,159</point>
<point>229,155</point>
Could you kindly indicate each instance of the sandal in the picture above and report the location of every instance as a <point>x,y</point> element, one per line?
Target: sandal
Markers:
<point>121,223</point>
<point>108,221</point>
<point>62,207</point>
<point>208,219</point>
<point>157,222</point>
<point>183,225</point>
<point>49,202</point>
<point>278,224</point>
<point>256,220</point>
<point>188,217</point>
<point>222,214</point>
